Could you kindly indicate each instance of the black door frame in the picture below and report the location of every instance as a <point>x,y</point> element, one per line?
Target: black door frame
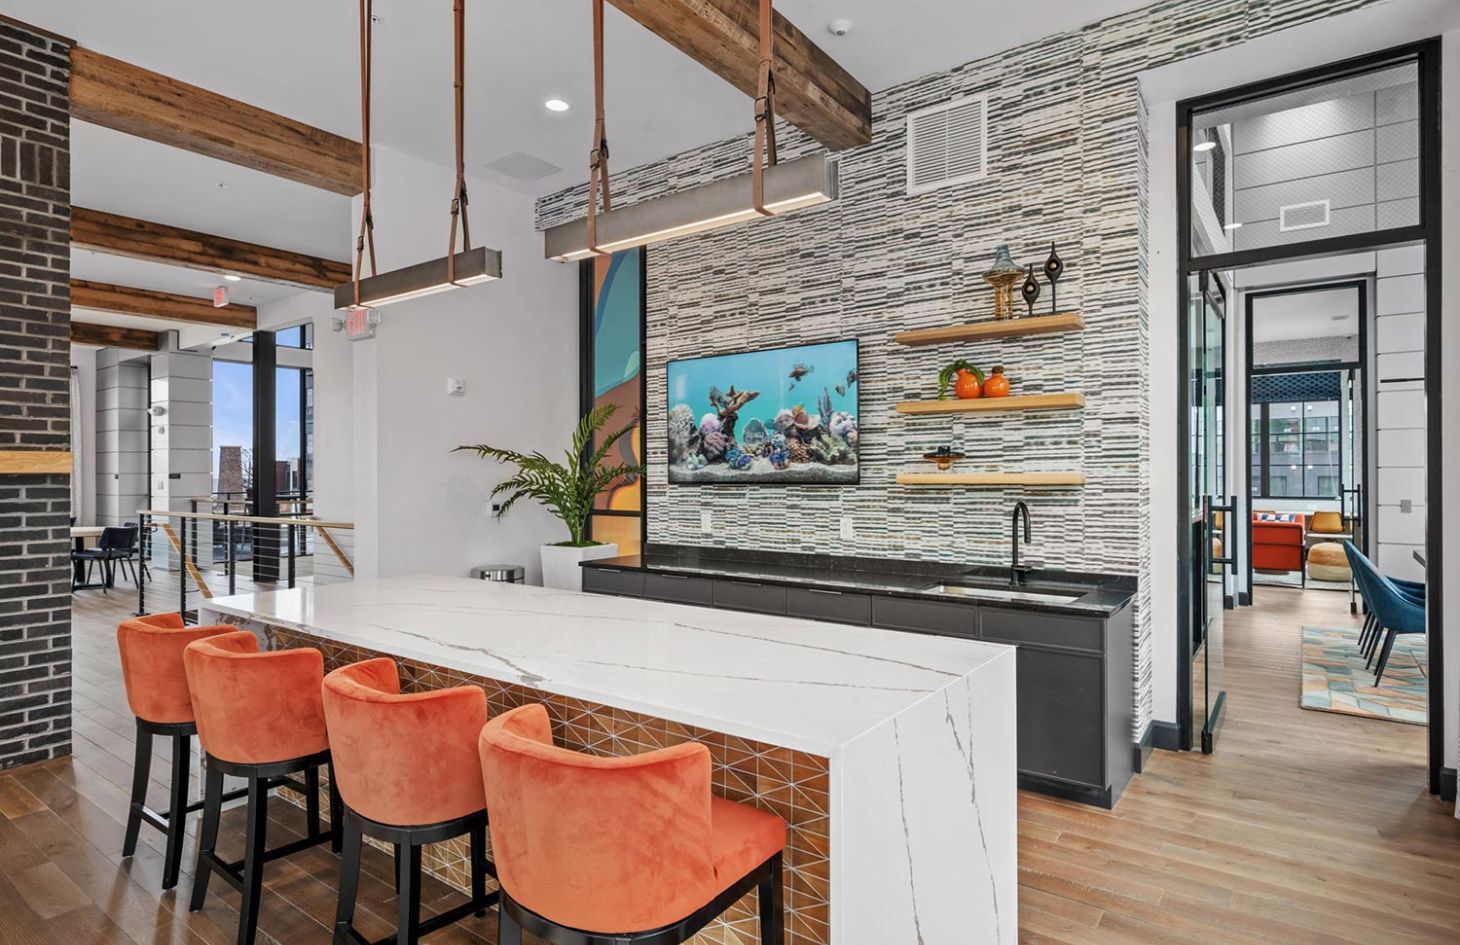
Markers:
<point>1426,55</point>
<point>1360,286</point>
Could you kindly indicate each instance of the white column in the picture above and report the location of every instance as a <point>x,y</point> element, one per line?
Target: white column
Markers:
<point>1399,441</point>
<point>182,443</point>
<point>121,438</point>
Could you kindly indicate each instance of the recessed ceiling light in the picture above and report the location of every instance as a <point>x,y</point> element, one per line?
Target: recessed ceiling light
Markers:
<point>1204,146</point>
<point>1234,225</point>
<point>556,105</point>
<point>232,278</point>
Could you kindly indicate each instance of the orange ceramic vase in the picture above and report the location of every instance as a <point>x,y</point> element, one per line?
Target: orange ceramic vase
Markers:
<point>966,386</point>
<point>997,385</point>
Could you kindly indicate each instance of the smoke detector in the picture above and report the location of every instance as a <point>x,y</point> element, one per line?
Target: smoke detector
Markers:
<point>839,26</point>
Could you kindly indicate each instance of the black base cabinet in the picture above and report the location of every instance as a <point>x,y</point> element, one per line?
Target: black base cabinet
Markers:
<point>1075,697</point>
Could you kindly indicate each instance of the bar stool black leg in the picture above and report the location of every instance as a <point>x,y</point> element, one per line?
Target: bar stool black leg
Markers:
<point>408,879</point>
<point>508,931</point>
<point>479,869</point>
<point>337,814</point>
<point>177,811</point>
<point>141,771</point>
<point>396,877</point>
<point>349,876</point>
<point>311,801</point>
<point>772,909</point>
<point>207,835</point>
<point>253,859</point>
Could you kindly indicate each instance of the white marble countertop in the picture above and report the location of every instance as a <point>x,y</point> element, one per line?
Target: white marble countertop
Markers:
<point>796,683</point>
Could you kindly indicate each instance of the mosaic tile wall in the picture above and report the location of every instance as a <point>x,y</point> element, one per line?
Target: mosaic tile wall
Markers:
<point>792,784</point>
<point>1067,154</point>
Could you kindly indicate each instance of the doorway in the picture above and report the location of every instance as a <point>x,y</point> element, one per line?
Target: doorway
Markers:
<point>1307,170</point>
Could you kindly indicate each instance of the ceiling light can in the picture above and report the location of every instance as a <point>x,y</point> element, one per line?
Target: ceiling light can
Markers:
<point>556,105</point>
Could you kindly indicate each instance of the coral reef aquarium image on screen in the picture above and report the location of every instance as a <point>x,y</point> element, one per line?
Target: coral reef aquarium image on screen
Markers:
<point>781,415</point>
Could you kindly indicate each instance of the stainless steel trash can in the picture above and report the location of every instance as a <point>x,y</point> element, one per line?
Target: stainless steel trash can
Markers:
<point>508,573</point>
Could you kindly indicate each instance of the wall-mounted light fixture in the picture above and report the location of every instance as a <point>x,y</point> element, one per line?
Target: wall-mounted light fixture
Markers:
<point>466,268</point>
<point>769,189</point>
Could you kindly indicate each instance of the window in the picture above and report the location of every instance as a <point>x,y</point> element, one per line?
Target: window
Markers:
<point>1296,450</point>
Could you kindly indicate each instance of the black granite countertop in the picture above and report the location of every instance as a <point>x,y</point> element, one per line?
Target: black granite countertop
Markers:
<point>1092,594</point>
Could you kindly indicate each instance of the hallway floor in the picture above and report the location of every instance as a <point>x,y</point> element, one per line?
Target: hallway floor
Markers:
<point>1305,828</point>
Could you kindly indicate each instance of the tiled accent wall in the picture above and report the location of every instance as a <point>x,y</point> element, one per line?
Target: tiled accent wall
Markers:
<point>792,784</point>
<point>35,394</point>
<point>1066,158</point>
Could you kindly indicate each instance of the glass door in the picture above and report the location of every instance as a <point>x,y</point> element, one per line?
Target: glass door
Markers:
<point>1212,513</point>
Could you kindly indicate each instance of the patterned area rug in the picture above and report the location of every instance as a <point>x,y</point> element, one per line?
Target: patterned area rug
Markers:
<point>1335,680</point>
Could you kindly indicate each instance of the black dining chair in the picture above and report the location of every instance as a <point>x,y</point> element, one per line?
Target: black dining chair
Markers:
<point>108,549</point>
<point>133,556</point>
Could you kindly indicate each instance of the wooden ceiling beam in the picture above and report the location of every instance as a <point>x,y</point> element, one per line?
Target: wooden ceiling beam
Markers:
<point>117,235</point>
<point>111,336</point>
<point>125,300</point>
<point>813,92</point>
<point>128,98</point>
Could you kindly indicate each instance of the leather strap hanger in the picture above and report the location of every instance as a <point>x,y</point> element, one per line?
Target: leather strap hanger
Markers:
<point>367,222</point>
<point>765,108</point>
<point>598,157</point>
<point>458,200</point>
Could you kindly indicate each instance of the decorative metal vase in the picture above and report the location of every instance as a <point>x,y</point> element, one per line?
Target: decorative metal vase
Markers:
<point>1030,290</point>
<point>1002,275</point>
<point>1053,266</point>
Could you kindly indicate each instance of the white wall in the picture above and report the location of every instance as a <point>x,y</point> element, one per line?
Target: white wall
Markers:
<point>384,424</point>
<point>83,441</point>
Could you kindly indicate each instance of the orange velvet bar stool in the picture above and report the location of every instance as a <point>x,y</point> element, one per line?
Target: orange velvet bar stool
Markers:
<point>260,718</point>
<point>408,774</point>
<point>611,851</point>
<point>157,692</point>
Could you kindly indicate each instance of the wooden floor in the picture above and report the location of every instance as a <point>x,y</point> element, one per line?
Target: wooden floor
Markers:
<point>1305,828</point>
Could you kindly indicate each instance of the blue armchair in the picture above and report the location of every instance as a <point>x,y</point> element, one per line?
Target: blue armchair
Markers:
<point>1392,609</point>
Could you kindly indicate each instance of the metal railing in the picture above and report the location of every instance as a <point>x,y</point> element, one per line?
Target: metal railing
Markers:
<point>185,545</point>
<point>292,504</point>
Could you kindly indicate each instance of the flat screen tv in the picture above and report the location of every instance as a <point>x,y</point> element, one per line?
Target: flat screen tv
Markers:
<point>781,415</point>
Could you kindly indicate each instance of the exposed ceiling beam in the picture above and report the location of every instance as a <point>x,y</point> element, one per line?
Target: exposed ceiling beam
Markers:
<point>117,235</point>
<point>125,300</point>
<point>128,98</point>
<point>812,91</point>
<point>110,336</point>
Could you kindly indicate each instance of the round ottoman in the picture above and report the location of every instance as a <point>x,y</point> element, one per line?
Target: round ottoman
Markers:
<point>1327,562</point>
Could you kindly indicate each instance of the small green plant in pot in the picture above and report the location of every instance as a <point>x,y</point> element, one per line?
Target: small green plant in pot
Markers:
<point>965,379</point>
<point>568,490</point>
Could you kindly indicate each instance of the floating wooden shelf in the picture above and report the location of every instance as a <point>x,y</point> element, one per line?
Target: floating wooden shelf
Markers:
<point>994,404</point>
<point>1004,328</point>
<point>34,462</point>
<point>992,479</point>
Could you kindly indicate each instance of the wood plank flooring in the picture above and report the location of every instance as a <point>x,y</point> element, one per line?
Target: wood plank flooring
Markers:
<point>1305,828</point>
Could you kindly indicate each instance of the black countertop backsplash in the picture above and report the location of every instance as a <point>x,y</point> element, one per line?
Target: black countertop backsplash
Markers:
<point>1100,594</point>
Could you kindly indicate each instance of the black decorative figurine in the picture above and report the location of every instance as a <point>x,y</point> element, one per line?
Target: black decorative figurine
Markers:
<point>1030,290</point>
<point>1053,266</point>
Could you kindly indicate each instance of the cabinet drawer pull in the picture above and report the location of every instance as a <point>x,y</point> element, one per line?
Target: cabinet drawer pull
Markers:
<point>748,583</point>
<point>611,570</point>
<point>828,593</point>
<point>675,577</point>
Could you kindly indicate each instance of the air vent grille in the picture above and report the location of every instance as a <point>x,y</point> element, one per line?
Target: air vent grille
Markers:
<point>947,144</point>
<point>1303,216</point>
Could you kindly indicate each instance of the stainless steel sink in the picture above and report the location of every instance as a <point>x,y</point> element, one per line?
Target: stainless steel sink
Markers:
<point>1002,593</point>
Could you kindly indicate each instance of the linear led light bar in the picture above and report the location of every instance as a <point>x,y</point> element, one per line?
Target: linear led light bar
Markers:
<point>472,267</point>
<point>789,185</point>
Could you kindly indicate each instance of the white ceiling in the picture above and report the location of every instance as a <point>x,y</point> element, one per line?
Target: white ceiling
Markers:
<point>1332,313</point>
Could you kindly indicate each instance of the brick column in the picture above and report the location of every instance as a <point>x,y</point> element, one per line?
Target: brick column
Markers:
<point>35,324</point>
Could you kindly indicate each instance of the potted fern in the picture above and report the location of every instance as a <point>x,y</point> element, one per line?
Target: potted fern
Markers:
<point>568,489</point>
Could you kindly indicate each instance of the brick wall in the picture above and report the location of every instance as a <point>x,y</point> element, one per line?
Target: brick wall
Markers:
<point>35,268</point>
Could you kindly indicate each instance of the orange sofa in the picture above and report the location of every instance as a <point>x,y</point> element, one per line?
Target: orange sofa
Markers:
<point>1277,546</point>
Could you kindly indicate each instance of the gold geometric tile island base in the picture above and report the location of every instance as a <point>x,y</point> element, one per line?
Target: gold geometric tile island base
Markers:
<point>791,784</point>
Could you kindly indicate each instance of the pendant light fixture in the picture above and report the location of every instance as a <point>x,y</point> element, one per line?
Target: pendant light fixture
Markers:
<point>468,267</point>
<point>770,189</point>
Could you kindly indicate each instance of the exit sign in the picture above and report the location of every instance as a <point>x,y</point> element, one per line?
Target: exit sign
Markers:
<point>360,323</point>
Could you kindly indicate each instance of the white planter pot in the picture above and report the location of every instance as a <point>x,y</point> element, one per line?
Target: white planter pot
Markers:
<point>560,564</point>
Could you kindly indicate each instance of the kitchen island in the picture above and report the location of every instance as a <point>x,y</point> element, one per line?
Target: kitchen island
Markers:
<point>890,755</point>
